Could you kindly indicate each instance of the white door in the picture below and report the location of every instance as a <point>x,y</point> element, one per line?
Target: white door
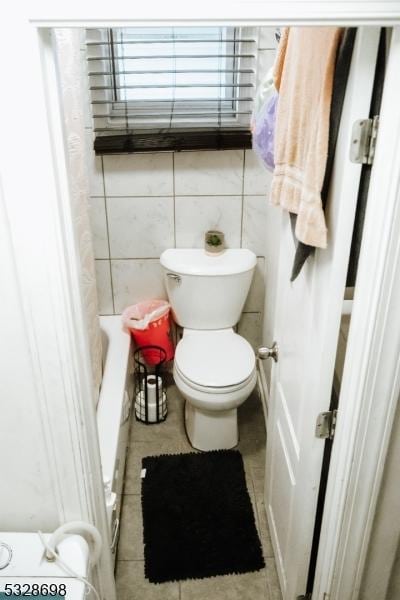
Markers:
<point>307,323</point>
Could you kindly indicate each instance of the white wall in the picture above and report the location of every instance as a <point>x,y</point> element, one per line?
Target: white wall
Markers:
<point>381,577</point>
<point>142,204</point>
<point>27,501</point>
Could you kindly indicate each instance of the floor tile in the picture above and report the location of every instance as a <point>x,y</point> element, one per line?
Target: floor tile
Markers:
<point>130,545</point>
<point>272,580</point>
<point>248,586</point>
<point>253,451</point>
<point>171,429</point>
<point>251,418</point>
<point>132,585</point>
<point>169,438</point>
<point>258,477</point>
<point>264,529</point>
<point>134,460</point>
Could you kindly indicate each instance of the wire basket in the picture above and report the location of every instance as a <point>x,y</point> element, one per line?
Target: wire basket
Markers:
<point>150,395</point>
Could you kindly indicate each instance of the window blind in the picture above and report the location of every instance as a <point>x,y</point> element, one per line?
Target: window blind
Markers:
<point>171,87</point>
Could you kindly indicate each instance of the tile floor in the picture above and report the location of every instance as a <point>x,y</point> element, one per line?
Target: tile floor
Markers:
<point>169,437</point>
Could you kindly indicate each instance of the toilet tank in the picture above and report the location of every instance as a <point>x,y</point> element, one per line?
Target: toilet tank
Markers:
<point>207,292</point>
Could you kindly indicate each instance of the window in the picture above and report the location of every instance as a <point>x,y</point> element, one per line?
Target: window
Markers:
<point>171,87</point>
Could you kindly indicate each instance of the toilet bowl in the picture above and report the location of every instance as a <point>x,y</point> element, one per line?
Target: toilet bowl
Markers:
<point>214,367</point>
<point>215,372</point>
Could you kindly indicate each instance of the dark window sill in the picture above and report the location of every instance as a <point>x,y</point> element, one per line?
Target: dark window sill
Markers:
<point>173,140</point>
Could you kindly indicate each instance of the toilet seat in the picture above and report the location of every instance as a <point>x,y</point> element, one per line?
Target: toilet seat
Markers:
<point>213,390</point>
<point>218,361</point>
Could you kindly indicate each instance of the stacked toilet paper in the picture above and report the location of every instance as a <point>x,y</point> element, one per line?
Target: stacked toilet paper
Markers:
<point>152,383</point>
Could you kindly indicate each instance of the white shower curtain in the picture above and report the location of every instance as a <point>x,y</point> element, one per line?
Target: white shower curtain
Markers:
<point>67,46</point>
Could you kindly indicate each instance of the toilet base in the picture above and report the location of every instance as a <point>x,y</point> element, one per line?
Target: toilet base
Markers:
<point>211,430</point>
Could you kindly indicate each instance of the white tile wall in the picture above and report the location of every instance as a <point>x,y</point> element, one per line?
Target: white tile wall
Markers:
<point>94,167</point>
<point>250,328</point>
<point>257,179</point>
<point>255,299</point>
<point>138,174</point>
<point>97,208</point>
<point>267,38</point>
<point>136,280</point>
<point>133,223</point>
<point>104,289</point>
<point>205,173</point>
<point>143,203</point>
<point>197,214</point>
<point>140,227</point>
<point>254,229</point>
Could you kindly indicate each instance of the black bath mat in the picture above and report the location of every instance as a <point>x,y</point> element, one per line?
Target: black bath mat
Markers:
<point>198,520</point>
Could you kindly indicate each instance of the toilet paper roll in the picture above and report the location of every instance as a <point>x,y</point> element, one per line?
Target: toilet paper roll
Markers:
<point>140,403</point>
<point>152,383</point>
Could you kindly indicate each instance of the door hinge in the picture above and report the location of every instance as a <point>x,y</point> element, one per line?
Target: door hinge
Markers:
<point>363,140</point>
<point>326,425</point>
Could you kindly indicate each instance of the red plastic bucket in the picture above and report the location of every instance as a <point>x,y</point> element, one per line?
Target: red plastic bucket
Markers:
<point>157,331</point>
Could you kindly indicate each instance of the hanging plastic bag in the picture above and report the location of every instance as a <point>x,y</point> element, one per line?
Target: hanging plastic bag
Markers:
<point>264,132</point>
<point>264,92</point>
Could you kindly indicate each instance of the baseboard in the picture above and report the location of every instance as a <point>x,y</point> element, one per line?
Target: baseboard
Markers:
<point>263,389</point>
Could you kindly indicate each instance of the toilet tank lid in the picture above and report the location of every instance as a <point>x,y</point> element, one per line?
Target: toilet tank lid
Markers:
<point>194,261</point>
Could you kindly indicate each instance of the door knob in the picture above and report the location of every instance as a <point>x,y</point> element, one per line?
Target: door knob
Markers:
<point>265,352</point>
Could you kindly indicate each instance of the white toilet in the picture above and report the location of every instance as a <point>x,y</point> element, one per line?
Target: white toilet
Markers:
<point>214,367</point>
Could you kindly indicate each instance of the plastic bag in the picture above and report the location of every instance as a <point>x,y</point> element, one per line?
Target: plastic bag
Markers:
<point>140,315</point>
<point>264,132</point>
<point>264,92</point>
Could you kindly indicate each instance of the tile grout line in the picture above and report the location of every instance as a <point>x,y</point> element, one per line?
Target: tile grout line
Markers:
<point>241,216</point>
<point>173,195</point>
<point>156,258</point>
<point>145,196</point>
<point>108,235</point>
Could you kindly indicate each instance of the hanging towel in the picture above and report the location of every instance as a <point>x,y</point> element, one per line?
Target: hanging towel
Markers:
<point>342,69</point>
<point>303,75</point>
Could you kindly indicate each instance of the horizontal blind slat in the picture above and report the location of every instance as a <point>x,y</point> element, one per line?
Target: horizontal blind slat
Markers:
<point>146,115</point>
<point>184,100</point>
<point>171,71</point>
<point>174,56</point>
<point>217,92</point>
<point>170,41</point>
<point>169,86</point>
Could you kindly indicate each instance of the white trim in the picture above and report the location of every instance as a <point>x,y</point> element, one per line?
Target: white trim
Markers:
<point>263,389</point>
<point>371,382</point>
<point>38,211</point>
<point>39,200</point>
<point>45,13</point>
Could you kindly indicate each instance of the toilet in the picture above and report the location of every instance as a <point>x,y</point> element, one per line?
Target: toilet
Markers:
<point>214,367</point>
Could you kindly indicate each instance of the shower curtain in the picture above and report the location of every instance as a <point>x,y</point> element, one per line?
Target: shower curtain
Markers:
<point>67,47</point>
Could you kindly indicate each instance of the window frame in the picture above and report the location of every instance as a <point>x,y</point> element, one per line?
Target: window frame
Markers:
<point>232,134</point>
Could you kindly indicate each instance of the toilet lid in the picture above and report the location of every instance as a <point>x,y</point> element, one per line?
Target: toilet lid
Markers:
<point>215,358</point>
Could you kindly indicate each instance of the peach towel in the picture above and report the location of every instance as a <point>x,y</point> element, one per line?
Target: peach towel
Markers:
<point>303,75</point>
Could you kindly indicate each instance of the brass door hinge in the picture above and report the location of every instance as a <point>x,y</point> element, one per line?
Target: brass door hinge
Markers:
<point>326,425</point>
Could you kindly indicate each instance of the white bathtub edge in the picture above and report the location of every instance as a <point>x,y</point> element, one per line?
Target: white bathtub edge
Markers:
<point>114,384</point>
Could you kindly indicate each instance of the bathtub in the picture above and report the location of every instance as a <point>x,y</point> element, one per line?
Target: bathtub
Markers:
<point>113,410</point>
